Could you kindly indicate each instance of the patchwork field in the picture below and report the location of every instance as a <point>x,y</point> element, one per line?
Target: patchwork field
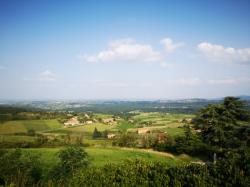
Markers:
<point>124,125</point>
<point>16,138</point>
<point>156,118</point>
<point>90,128</point>
<point>22,126</point>
<point>11,131</point>
<point>170,123</point>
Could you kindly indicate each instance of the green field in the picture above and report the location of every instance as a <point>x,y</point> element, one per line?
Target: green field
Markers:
<point>16,138</point>
<point>100,150</point>
<point>174,131</point>
<point>90,128</point>
<point>22,126</point>
<point>124,125</point>
<point>170,123</point>
<point>156,118</point>
<point>101,156</point>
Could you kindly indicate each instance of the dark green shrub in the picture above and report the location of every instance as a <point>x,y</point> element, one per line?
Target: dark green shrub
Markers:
<point>71,159</point>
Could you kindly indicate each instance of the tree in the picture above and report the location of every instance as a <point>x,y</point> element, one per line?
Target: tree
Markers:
<point>220,123</point>
<point>189,143</point>
<point>31,132</point>
<point>16,163</point>
<point>236,108</point>
<point>71,159</point>
<point>126,140</point>
<point>97,134</point>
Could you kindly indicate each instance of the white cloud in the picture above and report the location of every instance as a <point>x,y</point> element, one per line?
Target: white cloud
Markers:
<point>125,50</point>
<point>170,46</point>
<point>47,76</point>
<point>219,53</point>
<point>129,50</point>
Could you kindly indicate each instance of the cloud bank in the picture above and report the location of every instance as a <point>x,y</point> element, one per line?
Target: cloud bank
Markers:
<point>130,50</point>
<point>219,53</point>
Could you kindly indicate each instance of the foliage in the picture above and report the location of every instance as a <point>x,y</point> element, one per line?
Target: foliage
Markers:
<point>31,132</point>
<point>233,170</point>
<point>218,123</point>
<point>141,173</point>
<point>70,159</point>
<point>168,145</point>
<point>14,163</point>
<point>96,134</point>
<point>148,140</point>
<point>190,143</point>
<point>126,140</point>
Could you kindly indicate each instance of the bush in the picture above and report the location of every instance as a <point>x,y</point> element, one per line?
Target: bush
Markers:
<point>31,132</point>
<point>71,159</point>
<point>14,163</point>
<point>96,134</point>
<point>126,140</point>
<point>141,173</point>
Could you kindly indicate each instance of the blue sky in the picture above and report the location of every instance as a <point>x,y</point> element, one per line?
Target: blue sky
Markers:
<point>124,49</point>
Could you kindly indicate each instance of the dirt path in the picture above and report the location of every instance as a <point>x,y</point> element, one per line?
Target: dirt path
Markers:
<point>149,151</point>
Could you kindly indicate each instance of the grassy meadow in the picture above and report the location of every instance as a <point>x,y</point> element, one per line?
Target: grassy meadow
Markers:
<point>100,156</point>
<point>22,126</point>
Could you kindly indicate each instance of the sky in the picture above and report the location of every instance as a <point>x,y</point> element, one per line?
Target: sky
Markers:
<point>124,49</point>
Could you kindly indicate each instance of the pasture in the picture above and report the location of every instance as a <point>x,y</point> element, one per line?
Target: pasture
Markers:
<point>90,128</point>
<point>158,119</point>
<point>22,126</point>
<point>16,138</point>
<point>99,156</point>
<point>170,123</point>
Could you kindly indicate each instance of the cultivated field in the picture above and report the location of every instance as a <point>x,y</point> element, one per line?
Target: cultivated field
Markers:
<point>16,131</point>
<point>22,126</point>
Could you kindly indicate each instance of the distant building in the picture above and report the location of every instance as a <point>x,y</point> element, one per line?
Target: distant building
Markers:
<point>72,122</point>
<point>186,120</point>
<point>89,122</point>
<point>108,120</point>
<point>110,136</point>
<point>143,130</point>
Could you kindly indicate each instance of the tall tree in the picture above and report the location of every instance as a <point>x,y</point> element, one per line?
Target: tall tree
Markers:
<point>219,122</point>
<point>96,133</point>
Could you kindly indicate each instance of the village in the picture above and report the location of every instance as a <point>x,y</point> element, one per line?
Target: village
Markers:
<point>141,130</point>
